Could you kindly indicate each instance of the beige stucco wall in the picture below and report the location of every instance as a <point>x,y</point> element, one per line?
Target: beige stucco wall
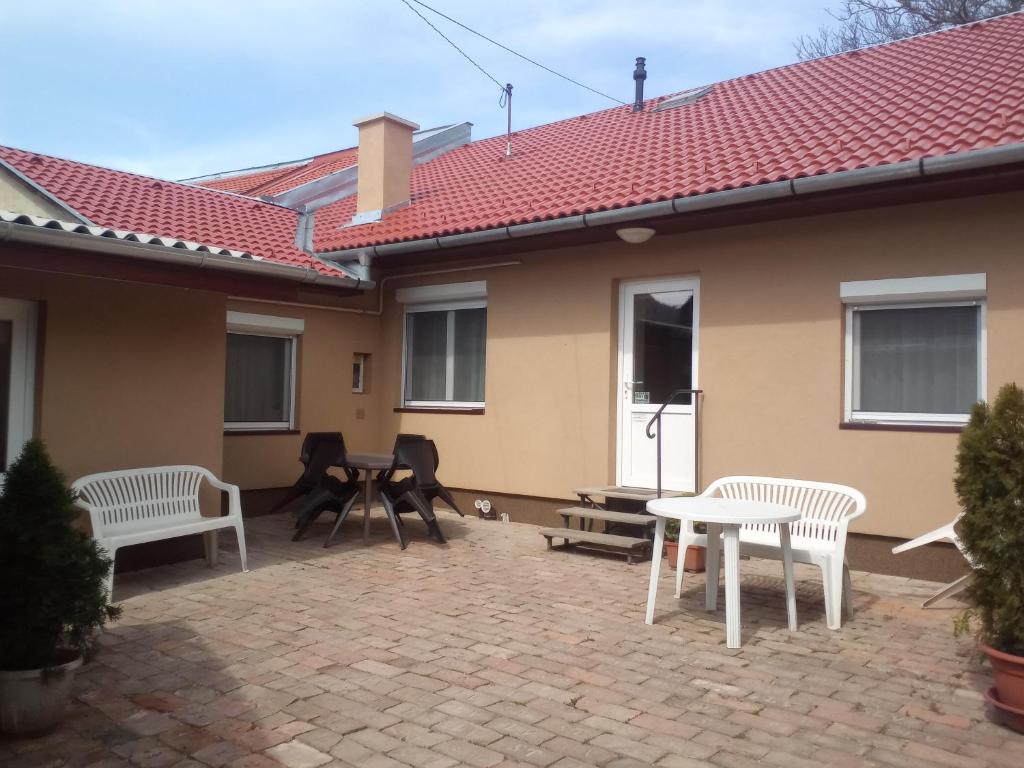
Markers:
<point>325,401</point>
<point>129,375</point>
<point>770,355</point>
<point>19,197</point>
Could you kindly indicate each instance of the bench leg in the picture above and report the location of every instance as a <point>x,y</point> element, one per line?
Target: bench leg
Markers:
<point>210,547</point>
<point>240,534</point>
<point>109,580</point>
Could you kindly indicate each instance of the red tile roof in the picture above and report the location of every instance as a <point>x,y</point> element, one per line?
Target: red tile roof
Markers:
<point>277,180</point>
<point>143,204</point>
<point>937,94</point>
<point>948,92</point>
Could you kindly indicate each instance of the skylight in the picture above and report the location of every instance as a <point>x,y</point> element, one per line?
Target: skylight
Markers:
<point>683,98</point>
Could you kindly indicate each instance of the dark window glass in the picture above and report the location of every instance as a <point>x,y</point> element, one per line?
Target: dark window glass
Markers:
<point>662,345</point>
<point>257,386</point>
<point>918,360</point>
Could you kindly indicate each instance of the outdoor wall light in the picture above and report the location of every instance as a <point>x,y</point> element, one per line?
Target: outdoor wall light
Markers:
<point>635,235</point>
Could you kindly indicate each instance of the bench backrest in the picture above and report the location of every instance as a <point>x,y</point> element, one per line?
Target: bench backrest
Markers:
<point>825,508</point>
<point>140,499</point>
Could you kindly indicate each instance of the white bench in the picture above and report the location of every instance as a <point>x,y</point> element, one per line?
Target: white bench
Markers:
<point>818,537</point>
<point>135,506</point>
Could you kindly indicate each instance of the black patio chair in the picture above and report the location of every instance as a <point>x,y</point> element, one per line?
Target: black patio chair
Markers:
<point>327,492</point>
<point>315,463</point>
<point>416,492</point>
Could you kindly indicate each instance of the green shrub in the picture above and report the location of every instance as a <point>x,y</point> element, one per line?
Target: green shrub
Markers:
<point>671,530</point>
<point>52,575</point>
<point>990,485</point>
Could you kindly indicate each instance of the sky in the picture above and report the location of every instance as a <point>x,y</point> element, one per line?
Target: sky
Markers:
<point>179,88</point>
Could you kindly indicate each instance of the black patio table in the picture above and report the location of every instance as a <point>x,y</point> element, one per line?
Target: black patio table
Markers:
<point>369,464</point>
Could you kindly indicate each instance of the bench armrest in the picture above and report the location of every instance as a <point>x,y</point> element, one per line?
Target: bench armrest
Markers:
<point>95,518</point>
<point>234,497</point>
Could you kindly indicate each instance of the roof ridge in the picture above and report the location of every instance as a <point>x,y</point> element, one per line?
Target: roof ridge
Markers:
<point>284,164</point>
<point>943,31</point>
<point>653,99</point>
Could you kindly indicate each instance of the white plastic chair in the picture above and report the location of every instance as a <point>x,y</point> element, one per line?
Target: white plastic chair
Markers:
<point>818,537</point>
<point>135,506</point>
<point>945,533</point>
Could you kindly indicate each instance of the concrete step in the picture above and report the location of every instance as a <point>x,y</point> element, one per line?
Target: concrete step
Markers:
<point>630,518</point>
<point>630,546</point>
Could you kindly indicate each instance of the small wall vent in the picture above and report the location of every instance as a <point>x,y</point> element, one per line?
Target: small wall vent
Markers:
<point>683,98</point>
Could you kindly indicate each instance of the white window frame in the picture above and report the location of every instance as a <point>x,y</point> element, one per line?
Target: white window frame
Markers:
<point>290,328</point>
<point>360,359</point>
<point>942,291</point>
<point>438,306</point>
<point>21,398</point>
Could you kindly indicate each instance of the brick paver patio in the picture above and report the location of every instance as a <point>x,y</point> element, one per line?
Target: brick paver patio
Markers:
<point>493,651</point>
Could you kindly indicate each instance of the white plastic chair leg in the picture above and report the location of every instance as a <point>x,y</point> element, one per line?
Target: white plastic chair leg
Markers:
<point>240,533</point>
<point>732,586</point>
<point>680,560</point>
<point>953,588</point>
<point>714,560</point>
<point>652,588</point>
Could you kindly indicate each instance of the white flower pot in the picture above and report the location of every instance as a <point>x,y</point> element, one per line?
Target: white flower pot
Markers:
<point>33,700</point>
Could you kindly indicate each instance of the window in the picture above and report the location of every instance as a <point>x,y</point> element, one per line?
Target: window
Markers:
<point>359,361</point>
<point>259,382</point>
<point>917,362</point>
<point>17,378</point>
<point>445,345</point>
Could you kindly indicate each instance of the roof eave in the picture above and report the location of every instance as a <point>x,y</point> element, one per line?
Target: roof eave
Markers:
<point>920,168</point>
<point>116,243</point>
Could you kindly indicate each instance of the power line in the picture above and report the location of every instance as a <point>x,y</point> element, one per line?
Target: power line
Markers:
<point>453,45</point>
<point>503,47</point>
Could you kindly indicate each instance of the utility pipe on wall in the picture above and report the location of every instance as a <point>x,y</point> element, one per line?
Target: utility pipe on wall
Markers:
<point>381,283</point>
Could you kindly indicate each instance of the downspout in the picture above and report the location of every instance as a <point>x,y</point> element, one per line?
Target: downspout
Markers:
<point>910,169</point>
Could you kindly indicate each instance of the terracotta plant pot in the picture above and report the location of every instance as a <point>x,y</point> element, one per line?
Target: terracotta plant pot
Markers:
<point>694,560</point>
<point>1008,671</point>
<point>33,700</point>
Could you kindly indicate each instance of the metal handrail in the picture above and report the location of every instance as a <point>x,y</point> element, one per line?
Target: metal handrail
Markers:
<point>696,393</point>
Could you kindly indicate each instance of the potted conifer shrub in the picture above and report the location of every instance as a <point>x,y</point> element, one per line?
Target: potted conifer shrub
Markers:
<point>695,558</point>
<point>990,485</point>
<point>52,593</point>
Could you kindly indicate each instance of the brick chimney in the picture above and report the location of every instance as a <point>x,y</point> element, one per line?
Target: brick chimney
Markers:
<point>385,164</point>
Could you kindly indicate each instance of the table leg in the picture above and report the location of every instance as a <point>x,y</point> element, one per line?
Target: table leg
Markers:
<point>367,496</point>
<point>652,589</point>
<point>787,569</point>
<point>732,586</point>
<point>714,560</point>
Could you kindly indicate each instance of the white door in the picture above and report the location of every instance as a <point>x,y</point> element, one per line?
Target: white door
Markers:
<point>17,376</point>
<point>658,326</point>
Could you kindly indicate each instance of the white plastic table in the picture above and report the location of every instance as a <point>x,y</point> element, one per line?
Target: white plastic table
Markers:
<point>724,516</point>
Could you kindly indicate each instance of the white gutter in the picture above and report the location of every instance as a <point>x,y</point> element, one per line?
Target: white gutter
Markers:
<point>910,169</point>
<point>182,254</point>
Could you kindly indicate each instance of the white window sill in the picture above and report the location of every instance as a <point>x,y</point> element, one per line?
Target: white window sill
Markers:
<point>450,408</point>
<point>258,426</point>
